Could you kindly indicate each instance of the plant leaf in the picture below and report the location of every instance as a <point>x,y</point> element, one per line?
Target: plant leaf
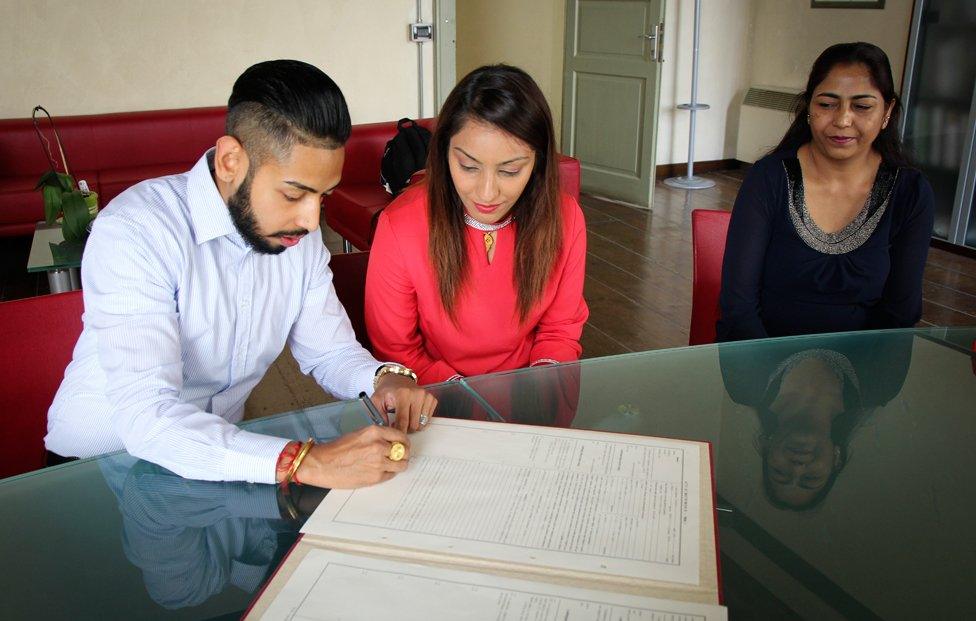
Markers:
<point>50,178</point>
<point>76,216</point>
<point>67,182</point>
<point>52,203</point>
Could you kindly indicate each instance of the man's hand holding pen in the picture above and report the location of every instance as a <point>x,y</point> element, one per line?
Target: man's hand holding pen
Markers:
<point>376,453</point>
<point>356,459</point>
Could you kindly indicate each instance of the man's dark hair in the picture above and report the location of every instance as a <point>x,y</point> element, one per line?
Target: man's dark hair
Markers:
<point>277,104</point>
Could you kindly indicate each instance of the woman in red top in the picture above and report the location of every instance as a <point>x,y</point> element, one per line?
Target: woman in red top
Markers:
<point>480,267</point>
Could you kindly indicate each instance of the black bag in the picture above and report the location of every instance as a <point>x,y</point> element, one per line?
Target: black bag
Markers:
<point>405,154</point>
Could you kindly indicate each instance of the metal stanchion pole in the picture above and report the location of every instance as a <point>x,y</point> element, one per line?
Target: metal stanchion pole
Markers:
<point>690,181</point>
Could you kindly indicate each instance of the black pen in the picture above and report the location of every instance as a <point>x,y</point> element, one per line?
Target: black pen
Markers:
<point>374,414</point>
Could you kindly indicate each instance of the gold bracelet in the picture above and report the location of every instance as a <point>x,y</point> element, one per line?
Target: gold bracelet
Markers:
<point>396,369</point>
<point>306,447</point>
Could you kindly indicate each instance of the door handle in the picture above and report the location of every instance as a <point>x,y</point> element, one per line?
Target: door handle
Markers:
<point>655,38</point>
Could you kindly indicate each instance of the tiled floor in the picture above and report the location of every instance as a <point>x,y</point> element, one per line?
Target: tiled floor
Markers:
<point>638,284</point>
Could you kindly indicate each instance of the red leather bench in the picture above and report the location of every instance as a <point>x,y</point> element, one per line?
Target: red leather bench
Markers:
<point>354,206</point>
<point>110,151</point>
<point>115,151</point>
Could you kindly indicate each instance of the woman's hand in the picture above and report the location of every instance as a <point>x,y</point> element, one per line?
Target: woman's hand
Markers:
<point>357,459</point>
<point>413,405</point>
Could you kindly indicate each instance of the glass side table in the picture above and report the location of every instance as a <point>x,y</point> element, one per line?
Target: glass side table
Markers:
<point>60,259</point>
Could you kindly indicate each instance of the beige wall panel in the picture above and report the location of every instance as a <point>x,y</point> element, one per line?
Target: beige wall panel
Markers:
<point>789,35</point>
<point>528,34</point>
<point>107,56</point>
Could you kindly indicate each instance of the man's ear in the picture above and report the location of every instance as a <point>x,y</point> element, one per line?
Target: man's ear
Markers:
<point>230,160</point>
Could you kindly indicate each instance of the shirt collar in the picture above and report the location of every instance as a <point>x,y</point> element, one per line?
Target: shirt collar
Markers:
<point>209,213</point>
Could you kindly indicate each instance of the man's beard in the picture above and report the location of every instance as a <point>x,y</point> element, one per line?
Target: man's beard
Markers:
<point>242,214</point>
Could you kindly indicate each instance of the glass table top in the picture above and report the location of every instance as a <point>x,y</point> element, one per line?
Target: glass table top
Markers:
<point>49,251</point>
<point>843,463</point>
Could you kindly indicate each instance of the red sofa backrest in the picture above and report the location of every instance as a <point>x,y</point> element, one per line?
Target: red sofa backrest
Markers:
<point>110,151</point>
<point>38,336</point>
<point>119,140</point>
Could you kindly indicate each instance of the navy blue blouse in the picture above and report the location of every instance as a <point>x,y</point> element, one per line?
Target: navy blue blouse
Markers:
<point>782,275</point>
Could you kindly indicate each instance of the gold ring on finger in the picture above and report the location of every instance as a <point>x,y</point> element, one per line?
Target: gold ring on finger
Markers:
<point>397,451</point>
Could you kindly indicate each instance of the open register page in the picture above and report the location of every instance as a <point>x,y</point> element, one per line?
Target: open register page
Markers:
<point>519,512</point>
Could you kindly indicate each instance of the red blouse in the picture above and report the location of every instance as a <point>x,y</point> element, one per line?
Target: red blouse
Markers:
<point>407,322</point>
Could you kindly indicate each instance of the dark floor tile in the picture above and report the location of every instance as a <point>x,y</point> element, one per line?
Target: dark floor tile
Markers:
<point>950,298</point>
<point>597,344</point>
<point>627,322</point>
<point>659,278</point>
<point>593,215</point>
<point>667,249</point>
<point>737,174</point>
<point>633,216</point>
<point>676,207</point>
<point>939,315</point>
<point>660,290</point>
<point>951,262</point>
<point>950,279</point>
<point>727,184</point>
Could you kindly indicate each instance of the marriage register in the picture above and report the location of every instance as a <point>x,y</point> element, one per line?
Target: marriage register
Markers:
<point>499,521</point>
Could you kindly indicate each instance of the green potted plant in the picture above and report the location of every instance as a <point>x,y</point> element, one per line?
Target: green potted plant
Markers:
<point>71,204</point>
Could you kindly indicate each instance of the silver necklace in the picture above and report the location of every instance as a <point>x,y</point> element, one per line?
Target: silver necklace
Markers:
<point>490,228</point>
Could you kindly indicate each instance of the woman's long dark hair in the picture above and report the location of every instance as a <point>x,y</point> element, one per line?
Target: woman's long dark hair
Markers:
<point>507,98</point>
<point>876,62</point>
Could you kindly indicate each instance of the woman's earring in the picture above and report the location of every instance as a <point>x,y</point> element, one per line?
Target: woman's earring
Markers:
<point>808,118</point>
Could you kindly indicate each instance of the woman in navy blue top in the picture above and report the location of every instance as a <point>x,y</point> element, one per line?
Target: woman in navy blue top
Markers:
<point>830,232</point>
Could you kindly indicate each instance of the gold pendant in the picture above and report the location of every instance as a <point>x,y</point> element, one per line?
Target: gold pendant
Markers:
<point>489,242</point>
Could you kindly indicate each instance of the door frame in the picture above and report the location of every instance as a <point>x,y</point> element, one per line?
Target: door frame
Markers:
<point>445,51</point>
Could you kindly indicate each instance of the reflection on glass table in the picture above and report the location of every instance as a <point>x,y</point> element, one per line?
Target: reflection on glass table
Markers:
<point>843,464</point>
<point>116,537</point>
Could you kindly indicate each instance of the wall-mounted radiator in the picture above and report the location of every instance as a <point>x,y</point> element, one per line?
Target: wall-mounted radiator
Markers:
<point>763,120</point>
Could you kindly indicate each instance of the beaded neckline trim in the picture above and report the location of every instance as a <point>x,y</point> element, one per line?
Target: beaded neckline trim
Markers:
<point>852,236</point>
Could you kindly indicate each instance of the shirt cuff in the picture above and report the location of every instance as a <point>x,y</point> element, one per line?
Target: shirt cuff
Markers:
<point>252,457</point>
<point>365,379</point>
<point>542,361</point>
<point>557,350</point>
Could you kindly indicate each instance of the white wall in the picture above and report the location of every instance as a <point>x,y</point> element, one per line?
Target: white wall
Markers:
<point>108,56</point>
<point>723,76</point>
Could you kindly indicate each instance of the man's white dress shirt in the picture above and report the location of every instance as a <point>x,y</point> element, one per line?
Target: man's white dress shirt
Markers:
<point>182,319</point>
